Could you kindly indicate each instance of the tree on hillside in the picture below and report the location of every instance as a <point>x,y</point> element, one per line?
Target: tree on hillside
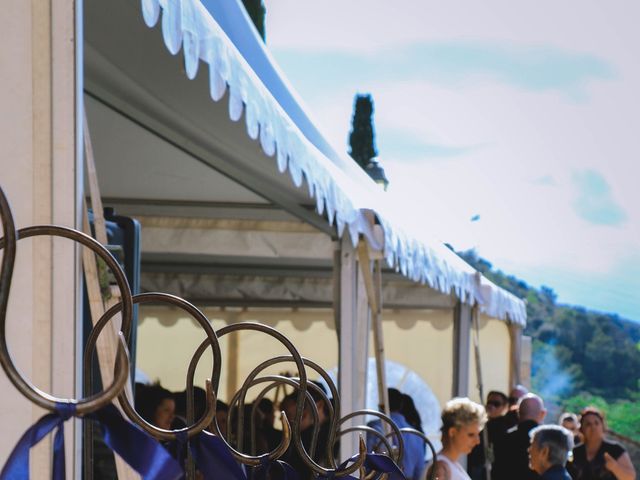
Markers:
<point>362,136</point>
<point>257,12</point>
<point>582,350</point>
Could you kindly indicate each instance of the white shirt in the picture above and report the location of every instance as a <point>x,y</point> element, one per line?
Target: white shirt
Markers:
<point>455,469</point>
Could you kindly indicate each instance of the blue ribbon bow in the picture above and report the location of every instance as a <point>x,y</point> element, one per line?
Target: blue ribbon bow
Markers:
<point>143,453</point>
<point>17,466</point>
<point>372,462</point>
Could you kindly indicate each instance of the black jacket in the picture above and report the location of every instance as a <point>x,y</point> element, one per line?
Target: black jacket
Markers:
<point>556,473</point>
<point>512,456</point>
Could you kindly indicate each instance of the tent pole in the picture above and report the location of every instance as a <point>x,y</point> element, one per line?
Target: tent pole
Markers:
<point>461,347</point>
<point>515,334</point>
<point>488,450</point>
<point>346,324</point>
<point>106,345</point>
<point>373,286</point>
<point>233,348</point>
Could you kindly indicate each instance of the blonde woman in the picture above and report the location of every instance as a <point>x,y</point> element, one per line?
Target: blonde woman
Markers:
<point>462,421</point>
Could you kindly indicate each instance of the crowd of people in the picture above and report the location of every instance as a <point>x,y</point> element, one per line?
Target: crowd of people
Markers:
<point>168,410</point>
<point>505,439</point>
<point>517,445</point>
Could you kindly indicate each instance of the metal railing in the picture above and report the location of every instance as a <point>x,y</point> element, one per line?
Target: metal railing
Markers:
<point>93,401</point>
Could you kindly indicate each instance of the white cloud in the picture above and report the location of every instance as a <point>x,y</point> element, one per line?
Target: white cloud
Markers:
<point>526,227</point>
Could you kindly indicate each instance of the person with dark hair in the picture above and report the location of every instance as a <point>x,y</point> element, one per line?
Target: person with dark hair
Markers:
<point>308,430</point>
<point>199,406</point>
<point>414,449</point>
<point>222,415</point>
<point>599,458</point>
<point>411,413</point>
<point>496,407</point>
<point>502,423</point>
<point>272,435</point>
<point>155,404</point>
<point>497,403</point>
<point>549,451</point>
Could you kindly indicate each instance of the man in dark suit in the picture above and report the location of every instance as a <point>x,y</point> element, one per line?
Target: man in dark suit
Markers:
<point>549,450</point>
<point>511,452</point>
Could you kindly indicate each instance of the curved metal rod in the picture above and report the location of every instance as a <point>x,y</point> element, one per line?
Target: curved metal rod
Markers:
<point>426,440</point>
<point>315,467</point>
<point>254,460</point>
<point>276,380</point>
<point>250,461</point>
<point>211,341</point>
<point>367,429</point>
<point>249,382</point>
<point>384,418</point>
<point>31,392</point>
<point>333,418</point>
<point>292,349</point>
<point>102,252</point>
<point>299,401</point>
<point>363,428</point>
<point>314,412</point>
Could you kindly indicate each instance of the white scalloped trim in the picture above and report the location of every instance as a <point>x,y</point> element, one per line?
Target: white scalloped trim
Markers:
<point>187,24</point>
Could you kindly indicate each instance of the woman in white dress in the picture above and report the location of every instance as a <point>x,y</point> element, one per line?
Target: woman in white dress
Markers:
<point>462,421</point>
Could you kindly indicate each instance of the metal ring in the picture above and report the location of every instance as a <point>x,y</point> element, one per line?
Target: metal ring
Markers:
<point>384,418</point>
<point>211,341</point>
<point>31,392</point>
<point>426,440</point>
<point>297,359</point>
<point>333,416</point>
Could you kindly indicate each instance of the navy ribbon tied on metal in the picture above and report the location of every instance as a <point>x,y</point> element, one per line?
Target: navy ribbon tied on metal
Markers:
<point>17,466</point>
<point>373,462</point>
<point>213,458</point>
<point>279,469</point>
<point>142,452</point>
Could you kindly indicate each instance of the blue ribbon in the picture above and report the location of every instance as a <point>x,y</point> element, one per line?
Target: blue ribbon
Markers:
<point>214,459</point>
<point>17,466</point>
<point>373,462</point>
<point>383,464</point>
<point>286,471</point>
<point>143,453</point>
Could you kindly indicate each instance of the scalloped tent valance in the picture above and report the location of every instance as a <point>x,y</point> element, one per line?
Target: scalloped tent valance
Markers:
<point>273,116</point>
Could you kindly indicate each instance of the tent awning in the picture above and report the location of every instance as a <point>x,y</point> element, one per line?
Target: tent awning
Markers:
<point>220,36</point>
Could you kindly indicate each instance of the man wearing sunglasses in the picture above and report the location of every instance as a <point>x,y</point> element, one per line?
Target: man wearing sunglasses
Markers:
<point>496,404</point>
<point>496,407</point>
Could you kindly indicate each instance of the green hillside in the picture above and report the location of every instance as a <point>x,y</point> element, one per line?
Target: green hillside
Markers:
<point>579,356</point>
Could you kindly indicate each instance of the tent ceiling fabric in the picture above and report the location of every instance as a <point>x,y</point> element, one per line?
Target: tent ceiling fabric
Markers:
<point>142,154</point>
<point>127,72</point>
<point>301,291</point>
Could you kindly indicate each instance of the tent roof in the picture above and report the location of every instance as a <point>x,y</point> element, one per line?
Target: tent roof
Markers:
<point>193,155</point>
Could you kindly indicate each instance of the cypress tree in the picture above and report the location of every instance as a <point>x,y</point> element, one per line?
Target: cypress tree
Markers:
<point>257,12</point>
<point>362,136</point>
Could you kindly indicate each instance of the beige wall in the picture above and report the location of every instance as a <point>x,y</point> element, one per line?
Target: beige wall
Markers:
<point>494,360</point>
<point>38,174</point>
<point>421,340</point>
<point>167,340</point>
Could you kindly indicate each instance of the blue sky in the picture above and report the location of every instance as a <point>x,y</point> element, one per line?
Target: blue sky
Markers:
<point>523,114</point>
